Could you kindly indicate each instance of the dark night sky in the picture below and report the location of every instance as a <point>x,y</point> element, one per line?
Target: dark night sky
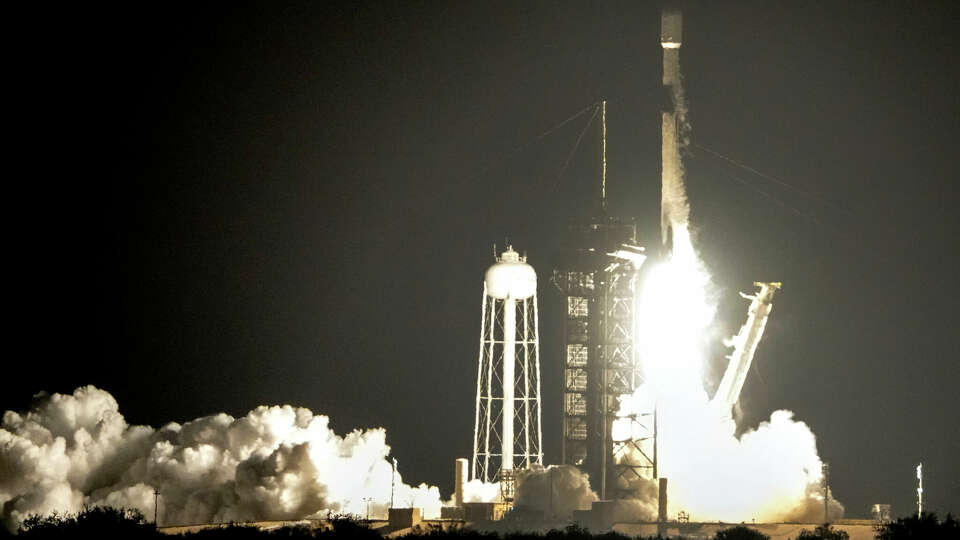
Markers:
<point>261,205</point>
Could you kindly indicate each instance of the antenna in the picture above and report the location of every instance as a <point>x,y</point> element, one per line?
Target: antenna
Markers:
<point>368,500</point>
<point>826,492</point>
<point>393,482</point>
<point>156,506</point>
<point>603,155</point>
<point>919,490</point>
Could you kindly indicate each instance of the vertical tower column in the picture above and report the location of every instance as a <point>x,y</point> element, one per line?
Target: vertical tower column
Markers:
<point>459,481</point>
<point>509,375</point>
<point>481,445</point>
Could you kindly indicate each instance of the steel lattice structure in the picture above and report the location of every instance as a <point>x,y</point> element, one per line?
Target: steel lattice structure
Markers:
<point>507,431</point>
<point>599,281</point>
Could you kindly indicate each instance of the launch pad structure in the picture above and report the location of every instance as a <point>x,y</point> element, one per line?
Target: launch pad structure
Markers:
<point>599,279</point>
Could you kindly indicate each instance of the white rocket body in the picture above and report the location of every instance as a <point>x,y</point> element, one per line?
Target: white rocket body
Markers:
<point>674,209</point>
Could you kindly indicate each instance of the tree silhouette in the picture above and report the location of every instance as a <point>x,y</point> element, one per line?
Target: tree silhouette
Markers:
<point>823,532</point>
<point>925,526</point>
<point>740,533</point>
<point>91,522</point>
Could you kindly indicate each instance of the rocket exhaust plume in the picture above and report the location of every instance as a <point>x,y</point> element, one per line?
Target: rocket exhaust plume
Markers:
<point>770,473</point>
<point>278,462</point>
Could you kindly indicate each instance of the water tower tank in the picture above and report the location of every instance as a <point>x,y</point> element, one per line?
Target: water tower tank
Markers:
<point>511,277</point>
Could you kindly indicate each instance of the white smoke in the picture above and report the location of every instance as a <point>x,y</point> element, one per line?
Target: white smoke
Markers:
<point>278,462</point>
<point>556,490</point>
<point>770,473</point>
<point>477,490</point>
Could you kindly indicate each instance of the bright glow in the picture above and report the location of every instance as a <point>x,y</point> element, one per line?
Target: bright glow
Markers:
<point>672,318</point>
<point>770,473</point>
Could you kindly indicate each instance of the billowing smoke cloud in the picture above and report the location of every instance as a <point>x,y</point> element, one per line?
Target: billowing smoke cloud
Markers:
<point>277,462</point>
<point>556,490</point>
<point>770,473</point>
<point>477,490</point>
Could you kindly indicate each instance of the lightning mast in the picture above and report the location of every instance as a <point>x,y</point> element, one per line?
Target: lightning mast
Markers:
<point>919,490</point>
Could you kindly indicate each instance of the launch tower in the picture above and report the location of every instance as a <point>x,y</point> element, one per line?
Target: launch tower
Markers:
<point>600,363</point>
<point>598,277</point>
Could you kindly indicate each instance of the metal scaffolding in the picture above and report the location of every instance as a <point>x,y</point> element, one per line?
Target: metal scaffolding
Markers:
<point>599,281</point>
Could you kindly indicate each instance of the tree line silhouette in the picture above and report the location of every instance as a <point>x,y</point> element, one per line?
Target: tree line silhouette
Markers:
<point>108,522</point>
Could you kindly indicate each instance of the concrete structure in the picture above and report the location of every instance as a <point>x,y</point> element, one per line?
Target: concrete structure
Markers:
<point>402,521</point>
<point>485,511</point>
<point>451,512</point>
<point>405,517</point>
<point>508,374</point>
<point>460,475</point>
<point>662,503</point>
<point>603,515</point>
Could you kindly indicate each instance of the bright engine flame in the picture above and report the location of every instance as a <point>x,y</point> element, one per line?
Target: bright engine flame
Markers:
<point>673,315</point>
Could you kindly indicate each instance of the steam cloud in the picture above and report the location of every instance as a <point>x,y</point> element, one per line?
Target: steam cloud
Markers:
<point>278,462</point>
<point>556,490</point>
<point>770,473</point>
<point>477,490</point>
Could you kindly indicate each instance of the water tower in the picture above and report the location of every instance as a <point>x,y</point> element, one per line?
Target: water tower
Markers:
<point>506,434</point>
